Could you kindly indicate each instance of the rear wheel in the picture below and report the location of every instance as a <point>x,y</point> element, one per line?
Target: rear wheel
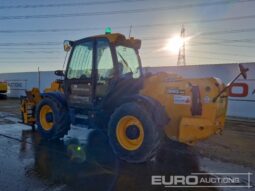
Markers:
<point>133,134</point>
<point>52,119</point>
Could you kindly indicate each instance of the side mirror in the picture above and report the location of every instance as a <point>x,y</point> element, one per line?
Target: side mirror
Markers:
<point>68,45</point>
<point>59,73</point>
<point>243,71</point>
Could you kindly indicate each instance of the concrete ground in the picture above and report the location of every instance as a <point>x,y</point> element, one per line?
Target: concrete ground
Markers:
<point>83,160</point>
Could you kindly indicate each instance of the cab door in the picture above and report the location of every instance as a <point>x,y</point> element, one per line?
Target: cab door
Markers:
<point>78,81</point>
<point>105,70</point>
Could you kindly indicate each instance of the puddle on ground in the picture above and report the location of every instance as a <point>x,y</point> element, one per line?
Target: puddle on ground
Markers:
<point>83,160</point>
<point>91,164</point>
<point>4,121</point>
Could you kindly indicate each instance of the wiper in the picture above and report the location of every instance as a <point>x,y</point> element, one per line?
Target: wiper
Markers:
<point>125,62</point>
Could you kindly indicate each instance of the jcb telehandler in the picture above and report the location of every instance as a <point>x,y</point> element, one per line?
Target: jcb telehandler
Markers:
<point>104,87</point>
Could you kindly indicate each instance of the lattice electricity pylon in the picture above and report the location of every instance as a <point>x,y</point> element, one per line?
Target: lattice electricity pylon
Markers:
<point>181,57</point>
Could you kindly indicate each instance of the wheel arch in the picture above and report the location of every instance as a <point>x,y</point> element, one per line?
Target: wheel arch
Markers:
<point>158,112</point>
<point>59,96</point>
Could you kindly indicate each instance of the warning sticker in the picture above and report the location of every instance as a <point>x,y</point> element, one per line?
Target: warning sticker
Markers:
<point>179,99</point>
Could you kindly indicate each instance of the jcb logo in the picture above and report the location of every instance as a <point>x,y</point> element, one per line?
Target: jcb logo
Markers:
<point>239,89</point>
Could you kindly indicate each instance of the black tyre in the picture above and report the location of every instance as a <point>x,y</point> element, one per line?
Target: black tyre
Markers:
<point>133,135</point>
<point>52,119</point>
<point>3,96</point>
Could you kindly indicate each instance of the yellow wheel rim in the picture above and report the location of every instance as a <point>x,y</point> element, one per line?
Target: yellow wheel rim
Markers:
<point>43,117</point>
<point>121,132</point>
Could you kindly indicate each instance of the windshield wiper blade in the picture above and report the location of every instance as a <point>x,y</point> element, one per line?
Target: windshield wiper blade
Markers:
<point>125,62</point>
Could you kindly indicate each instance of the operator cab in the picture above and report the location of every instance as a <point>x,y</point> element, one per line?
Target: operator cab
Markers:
<point>98,66</point>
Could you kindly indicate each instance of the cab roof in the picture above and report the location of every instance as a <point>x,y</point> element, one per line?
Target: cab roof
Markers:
<point>118,38</point>
<point>113,38</point>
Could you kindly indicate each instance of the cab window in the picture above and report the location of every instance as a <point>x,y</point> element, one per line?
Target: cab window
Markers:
<point>105,69</point>
<point>128,61</point>
<point>80,66</point>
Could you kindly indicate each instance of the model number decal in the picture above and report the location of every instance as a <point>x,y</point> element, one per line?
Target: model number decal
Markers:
<point>175,91</point>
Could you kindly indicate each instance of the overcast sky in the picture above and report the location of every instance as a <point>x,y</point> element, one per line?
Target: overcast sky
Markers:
<point>220,31</point>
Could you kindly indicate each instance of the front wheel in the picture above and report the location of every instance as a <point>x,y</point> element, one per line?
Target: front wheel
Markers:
<point>52,119</point>
<point>133,134</point>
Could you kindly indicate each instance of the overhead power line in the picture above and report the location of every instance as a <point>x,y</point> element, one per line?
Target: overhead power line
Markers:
<point>195,57</point>
<point>247,40</point>
<point>27,48</point>
<point>56,52</point>
<point>208,33</point>
<point>219,53</point>
<point>30,52</point>
<point>31,44</point>
<point>150,38</point>
<point>229,31</point>
<point>30,58</point>
<point>189,50</point>
<point>57,44</point>
<point>73,4</point>
<point>220,43</point>
<point>196,21</point>
<point>199,44</point>
<point>141,26</point>
<point>117,12</point>
<point>135,26</point>
<point>209,41</point>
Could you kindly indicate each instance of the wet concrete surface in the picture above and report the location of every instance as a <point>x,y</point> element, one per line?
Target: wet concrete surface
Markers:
<point>83,160</point>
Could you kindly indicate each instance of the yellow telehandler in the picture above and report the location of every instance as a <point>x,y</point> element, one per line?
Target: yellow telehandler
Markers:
<point>104,87</point>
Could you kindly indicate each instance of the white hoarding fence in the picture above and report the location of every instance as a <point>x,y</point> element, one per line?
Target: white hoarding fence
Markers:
<point>16,88</point>
<point>243,90</point>
<point>242,99</point>
<point>242,93</point>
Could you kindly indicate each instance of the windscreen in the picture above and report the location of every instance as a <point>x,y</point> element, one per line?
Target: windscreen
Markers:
<point>128,61</point>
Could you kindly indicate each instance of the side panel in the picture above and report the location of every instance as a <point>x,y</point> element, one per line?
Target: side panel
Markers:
<point>80,94</point>
<point>186,107</point>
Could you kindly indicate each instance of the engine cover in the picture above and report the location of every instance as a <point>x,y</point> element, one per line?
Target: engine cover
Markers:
<point>189,104</point>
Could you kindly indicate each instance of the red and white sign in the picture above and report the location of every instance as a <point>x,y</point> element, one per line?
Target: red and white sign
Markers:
<point>243,89</point>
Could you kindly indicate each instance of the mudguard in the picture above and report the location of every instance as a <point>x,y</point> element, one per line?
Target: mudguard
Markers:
<point>152,106</point>
<point>56,95</point>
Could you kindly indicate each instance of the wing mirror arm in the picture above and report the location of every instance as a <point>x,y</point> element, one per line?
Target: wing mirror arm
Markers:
<point>243,72</point>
